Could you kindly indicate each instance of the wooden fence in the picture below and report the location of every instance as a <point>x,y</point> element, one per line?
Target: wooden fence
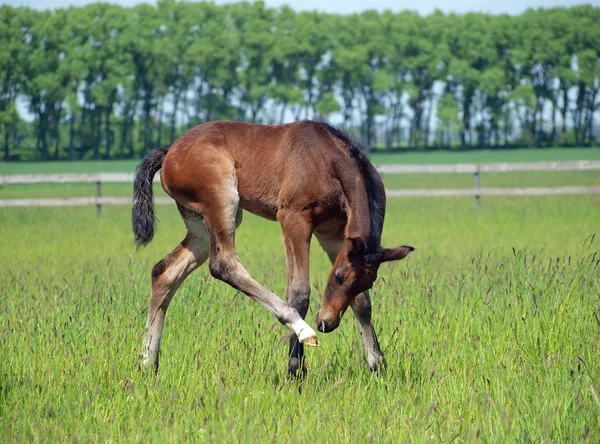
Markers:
<point>475,169</point>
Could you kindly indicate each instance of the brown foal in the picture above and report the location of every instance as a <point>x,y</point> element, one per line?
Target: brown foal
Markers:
<point>308,176</point>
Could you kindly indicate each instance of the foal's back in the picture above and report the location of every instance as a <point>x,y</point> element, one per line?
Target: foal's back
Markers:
<point>273,167</point>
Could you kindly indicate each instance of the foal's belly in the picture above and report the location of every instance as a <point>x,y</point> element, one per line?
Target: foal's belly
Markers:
<point>259,207</point>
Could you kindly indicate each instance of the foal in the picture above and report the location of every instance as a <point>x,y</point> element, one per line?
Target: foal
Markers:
<point>308,176</point>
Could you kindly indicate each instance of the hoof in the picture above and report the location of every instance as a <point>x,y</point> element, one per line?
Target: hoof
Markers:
<point>142,363</point>
<point>377,364</point>
<point>311,341</point>
<point>308,337</point>
<point>145,366</point>
<point>297,369</point>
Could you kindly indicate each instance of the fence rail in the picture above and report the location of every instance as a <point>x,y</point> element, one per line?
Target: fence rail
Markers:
<point>475,169</point>
<point>75,201</point>
<point>472,168</point>
<point>67,178</point>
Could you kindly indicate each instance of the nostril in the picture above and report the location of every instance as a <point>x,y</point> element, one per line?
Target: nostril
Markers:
<point>325,323</point>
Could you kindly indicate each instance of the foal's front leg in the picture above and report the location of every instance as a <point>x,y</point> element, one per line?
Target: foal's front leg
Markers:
<point>225,265</point>
<point>361,307</point>
<point>297,231</point>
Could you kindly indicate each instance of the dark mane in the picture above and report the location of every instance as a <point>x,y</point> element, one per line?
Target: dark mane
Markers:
<point>373,187</point>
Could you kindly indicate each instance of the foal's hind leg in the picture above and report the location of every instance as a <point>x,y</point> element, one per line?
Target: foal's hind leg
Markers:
<point>167,276</point>
<point>361,307</point>
<point>297,231</point>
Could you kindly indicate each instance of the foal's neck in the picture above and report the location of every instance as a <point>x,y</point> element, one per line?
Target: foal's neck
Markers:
<point>360,209</point>
<point>364,194</point>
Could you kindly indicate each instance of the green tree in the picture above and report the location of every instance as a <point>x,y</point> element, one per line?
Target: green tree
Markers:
<point>13,35</point>
<point>254,23</point>
<point>587,73</point>
<point>108,81</point>
<point>449,123</point>
<point>45,78</point>
<point>144,45</point>
<point>107,64</point>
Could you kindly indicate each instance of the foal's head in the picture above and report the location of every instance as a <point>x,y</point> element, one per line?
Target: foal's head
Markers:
<point>353,272</point>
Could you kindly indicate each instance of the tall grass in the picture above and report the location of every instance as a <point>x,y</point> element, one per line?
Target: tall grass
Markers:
<point>491,331</point>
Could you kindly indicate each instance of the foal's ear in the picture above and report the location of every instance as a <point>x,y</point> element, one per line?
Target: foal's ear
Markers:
<point>395,254</point>
<point>355,246</point>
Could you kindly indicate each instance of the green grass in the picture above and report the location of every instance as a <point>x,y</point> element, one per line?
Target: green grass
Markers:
<point>64,167</point>
<point>490,331</point>
<point>474,156</point>
<point>488,156</point>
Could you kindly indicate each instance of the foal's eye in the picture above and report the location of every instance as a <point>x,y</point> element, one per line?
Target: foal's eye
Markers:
<point>338,276</point>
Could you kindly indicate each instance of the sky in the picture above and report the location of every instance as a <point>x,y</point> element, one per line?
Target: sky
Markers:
<point>424,7</point>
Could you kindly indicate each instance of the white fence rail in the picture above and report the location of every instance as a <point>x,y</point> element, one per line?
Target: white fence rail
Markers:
<point>66,178</point>
<point>475,169</point>
<point>472,168</point>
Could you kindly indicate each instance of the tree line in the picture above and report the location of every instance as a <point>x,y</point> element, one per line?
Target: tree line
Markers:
<point>104,81</point>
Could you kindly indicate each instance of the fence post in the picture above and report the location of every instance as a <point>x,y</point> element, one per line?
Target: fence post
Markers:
<point>477,187</point>
<point>98,196</point>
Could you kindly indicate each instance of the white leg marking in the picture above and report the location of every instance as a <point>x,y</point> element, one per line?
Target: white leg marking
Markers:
<point>306,335</point>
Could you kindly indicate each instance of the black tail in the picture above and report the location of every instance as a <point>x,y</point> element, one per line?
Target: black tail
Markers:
<point>142,214</point>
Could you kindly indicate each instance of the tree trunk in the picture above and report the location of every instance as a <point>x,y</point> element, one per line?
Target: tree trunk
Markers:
<point>282,112</point>
<point>56,132</point>
<point>81,125</point>
<point>96,119</point>
<point>56,146</point>
<point>147,127</point>
<point>44,144</point>
<point>540,124</point>
<point>107,133</point>
<point>71,135</point>
<point>309,89</point>
<point>553,135</point>
<point>297,110</point>
<point>427,128</point>
<point>564,110</point>
<point>368,124</point>
<point>395,124</point>
<point>129,136</point>
<point>174,116</point>
<point>254,110</point>
<point>415,124</point>
<point>159,123</point>
<point>348,96</point>
<point>591,117</point>
<point>124,128</point>
<point>6,144</point>
<point>465,136</point>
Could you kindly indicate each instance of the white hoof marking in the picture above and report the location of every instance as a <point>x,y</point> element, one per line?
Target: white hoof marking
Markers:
<point>306,335</point>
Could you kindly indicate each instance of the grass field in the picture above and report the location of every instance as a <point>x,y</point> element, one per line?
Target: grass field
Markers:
<point>491,332</point>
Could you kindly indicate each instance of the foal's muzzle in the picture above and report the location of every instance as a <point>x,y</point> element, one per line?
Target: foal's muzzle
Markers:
<point>326,324</point>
